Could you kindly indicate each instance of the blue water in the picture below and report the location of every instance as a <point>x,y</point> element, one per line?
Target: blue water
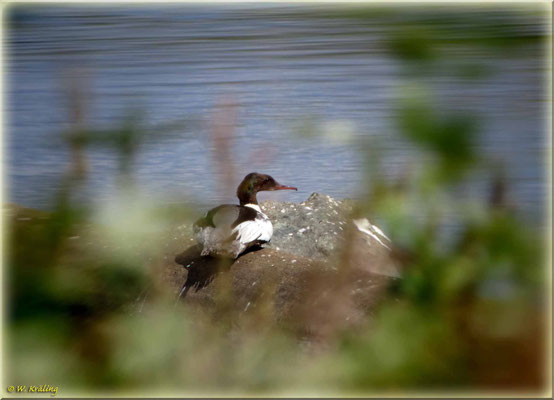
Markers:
<point>285,69</point>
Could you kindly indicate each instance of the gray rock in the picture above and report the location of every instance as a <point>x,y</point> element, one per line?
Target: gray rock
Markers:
<point>313,228</point>
<point>322,228</point>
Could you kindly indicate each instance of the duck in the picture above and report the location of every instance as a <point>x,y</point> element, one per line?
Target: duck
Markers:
<point>229,229</point>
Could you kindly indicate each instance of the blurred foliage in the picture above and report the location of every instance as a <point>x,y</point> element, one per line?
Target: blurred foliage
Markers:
<point>450,137</point>
<point>86,310</point>
<point>424,30</point>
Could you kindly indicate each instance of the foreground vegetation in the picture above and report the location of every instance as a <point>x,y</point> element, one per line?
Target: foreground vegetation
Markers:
<point>87,309</point>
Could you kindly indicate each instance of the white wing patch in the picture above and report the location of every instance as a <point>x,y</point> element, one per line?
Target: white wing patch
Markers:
<point>224,240</point>
<point>249,231</point>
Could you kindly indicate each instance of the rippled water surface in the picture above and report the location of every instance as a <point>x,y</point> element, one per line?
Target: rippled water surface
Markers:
<point>283,67</point>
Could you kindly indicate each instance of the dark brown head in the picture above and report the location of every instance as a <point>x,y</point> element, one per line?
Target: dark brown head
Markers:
<point>254,183</point>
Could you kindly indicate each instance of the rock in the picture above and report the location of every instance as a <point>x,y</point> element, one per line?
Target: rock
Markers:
<point>311,297</point>
<point>319,228</point>
<point>321,272</point>
<point>313,228</point>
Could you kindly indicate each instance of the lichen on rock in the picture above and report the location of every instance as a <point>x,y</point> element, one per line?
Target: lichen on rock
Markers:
<point>321,226</point>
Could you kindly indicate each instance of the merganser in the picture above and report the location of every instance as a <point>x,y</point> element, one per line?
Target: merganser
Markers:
<point>229,230</point>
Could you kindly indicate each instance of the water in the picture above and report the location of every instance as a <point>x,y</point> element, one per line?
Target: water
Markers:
<point>282,66</point>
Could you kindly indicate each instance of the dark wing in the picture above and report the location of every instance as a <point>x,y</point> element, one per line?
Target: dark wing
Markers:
<point>226,216</point>
<point>245,214</point>
<point>222,216</point>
